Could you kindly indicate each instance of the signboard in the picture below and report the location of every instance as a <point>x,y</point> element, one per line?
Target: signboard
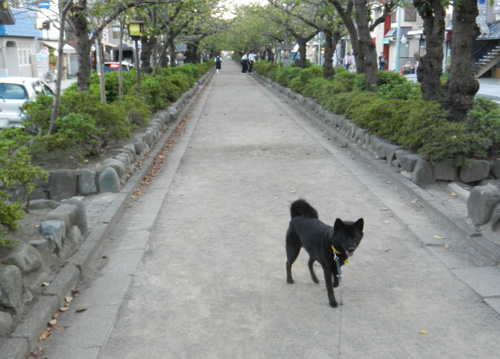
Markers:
<point>44,4</point>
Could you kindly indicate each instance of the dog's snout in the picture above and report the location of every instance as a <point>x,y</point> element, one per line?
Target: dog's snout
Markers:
<point>351,249</point>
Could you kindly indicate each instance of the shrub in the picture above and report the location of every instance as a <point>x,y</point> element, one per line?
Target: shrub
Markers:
<point>304,76</point>
<point>111,84</point>
<point>191,70</point>
<point>339,103</point>
<point>79,133</point>
<point>37,115</point>
<point>10,213</point>
<point>484,121</point>
<point>285,74</point>
<point>182,81</point>
<point>155,93</point>
<point>391,85</point>
<point>16,169</point>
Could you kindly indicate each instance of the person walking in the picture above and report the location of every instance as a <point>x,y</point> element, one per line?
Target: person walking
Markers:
<point>218,63</point>
<point>347,61</point>
<point>382,61</point>
<point>251,60</point>
<point>244,63</point>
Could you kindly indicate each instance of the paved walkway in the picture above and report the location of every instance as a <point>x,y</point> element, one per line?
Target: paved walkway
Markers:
<point>196,267</point>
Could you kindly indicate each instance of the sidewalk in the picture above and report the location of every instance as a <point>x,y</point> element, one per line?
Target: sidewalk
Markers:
<point>195,268</point>
<point>489,86</point>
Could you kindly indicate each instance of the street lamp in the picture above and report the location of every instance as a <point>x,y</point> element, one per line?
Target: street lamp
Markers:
<point>135,30</point>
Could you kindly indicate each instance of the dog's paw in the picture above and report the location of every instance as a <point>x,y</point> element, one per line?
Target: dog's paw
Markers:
<point>315,280</point>
<point>334,304</point>
<point>290,281</point>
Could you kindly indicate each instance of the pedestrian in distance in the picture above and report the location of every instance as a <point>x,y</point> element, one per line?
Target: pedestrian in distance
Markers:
<point>348,61</point>
<point>382,61</point>
<point>251,60</point>
<point>218,63</point>
<point>244,63</point>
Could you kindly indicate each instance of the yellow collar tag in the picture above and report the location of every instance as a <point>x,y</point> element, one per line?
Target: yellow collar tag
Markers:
<point>336,251</point>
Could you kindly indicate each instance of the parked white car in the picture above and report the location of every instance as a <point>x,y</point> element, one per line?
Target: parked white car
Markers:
<point>14,92</point>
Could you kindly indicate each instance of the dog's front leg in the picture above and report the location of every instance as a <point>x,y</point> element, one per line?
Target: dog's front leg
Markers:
<point>329,287</point>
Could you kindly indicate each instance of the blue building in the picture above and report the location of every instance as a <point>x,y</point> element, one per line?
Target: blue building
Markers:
<point>18,45</point>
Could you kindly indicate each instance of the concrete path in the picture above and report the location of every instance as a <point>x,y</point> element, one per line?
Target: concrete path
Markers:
<point>196,266</point>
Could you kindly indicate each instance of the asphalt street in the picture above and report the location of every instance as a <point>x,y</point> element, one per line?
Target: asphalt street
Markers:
<point>195,268</point>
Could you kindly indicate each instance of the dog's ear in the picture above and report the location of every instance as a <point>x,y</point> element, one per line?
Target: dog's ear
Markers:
<point>338,224</point>
<point>360,223</point>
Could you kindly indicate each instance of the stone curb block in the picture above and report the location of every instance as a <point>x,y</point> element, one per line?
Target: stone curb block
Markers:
<point>64,282</point>
<point>15,348</point>
<point>37,320</point>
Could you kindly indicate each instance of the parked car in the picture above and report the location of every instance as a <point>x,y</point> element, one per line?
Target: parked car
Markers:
<point>14,92</point>
<point>115,66</point>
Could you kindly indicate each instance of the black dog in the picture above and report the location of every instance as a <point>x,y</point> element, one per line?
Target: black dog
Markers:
<point>322,242</point>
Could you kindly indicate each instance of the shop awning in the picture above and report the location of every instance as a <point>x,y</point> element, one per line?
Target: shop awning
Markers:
<point>394,31</point>
<point>67,49</point>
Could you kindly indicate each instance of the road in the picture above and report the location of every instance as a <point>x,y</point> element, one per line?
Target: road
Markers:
<point>196,267</point>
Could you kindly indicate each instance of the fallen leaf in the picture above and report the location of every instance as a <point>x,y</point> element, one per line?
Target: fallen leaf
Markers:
<point>45,284</point>
<point>63,309</point>
<point>389,182</point>
<point>53,322</point>
<point>387,221</point>
<point>68,299</point>
<point>293,191</point>
<point>446,245</point>
<point>438,237</point>
<point>414,201</point>
<point>423,332</point>
<point>384,209</point>
<point>81,310</point>
<point>453,194</point>
<point>45,335</point>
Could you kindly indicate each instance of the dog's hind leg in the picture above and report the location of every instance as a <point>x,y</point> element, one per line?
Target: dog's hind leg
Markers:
<point>311,269</point>
<point>292,252</point>
<point>329,288</point>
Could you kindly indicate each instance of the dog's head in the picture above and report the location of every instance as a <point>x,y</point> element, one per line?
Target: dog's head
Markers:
<point>347,235</point>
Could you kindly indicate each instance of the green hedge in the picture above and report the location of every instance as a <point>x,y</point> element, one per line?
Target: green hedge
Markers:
<point>84,127</point>
<point>397,112</point>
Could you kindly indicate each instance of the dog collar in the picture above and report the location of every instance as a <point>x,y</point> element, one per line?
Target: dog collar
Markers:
<point>335,252</point>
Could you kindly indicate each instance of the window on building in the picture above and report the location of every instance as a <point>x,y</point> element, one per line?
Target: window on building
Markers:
<point>24,56</point>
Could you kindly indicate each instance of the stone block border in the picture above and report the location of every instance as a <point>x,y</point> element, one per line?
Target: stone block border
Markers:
<point>64,231</point>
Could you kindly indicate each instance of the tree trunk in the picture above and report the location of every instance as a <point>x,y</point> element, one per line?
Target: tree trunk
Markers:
<point>346,16</point>
<point>60,56</point>
<point>301,61</point>
<point>430,69</point>
<point>148,43</point>
<point>163,60</point>
<point>367,57</point>
<point>331,40</point>
<point>192,53</point>
<point>270,54</point>
<point>171,48</point>
<point>81,26</point>
<point>461,86</point>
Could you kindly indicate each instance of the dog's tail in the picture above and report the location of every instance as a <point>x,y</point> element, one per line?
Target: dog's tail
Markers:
<point>301,208</point>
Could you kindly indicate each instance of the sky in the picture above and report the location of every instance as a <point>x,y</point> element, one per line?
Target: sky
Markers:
<point>242,2</point>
